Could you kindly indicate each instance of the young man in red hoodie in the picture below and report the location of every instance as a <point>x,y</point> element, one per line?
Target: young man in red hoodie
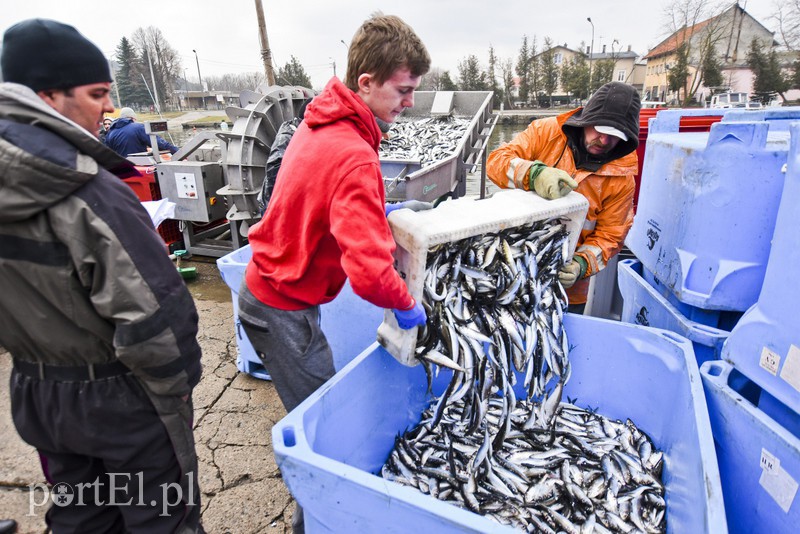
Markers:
<point>326,220</point>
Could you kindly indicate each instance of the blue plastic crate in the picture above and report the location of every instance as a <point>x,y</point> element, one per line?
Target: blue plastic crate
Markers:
<point>330,446</point>
<point>759,459</point>
<point>778,118</point>
<point>707,208</point>
<point>765,344</point>
<point>642,304</point>
<point>349,322</point>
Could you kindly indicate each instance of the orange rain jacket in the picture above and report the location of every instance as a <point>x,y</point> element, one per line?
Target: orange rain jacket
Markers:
<point>609,190</point>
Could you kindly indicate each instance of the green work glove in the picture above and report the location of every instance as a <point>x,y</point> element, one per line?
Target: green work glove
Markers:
<point>572,272</point>
<point>549,182</point>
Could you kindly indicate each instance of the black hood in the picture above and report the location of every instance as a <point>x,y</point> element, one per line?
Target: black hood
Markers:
<point>615,104</point>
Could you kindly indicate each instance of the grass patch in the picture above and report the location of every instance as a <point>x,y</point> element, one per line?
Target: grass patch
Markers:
<point>211,118</point>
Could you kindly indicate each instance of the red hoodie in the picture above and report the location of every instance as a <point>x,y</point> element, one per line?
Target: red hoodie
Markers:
<point>326,221</point>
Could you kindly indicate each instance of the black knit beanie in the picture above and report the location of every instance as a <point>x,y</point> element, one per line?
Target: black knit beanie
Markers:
<point>45,54</point>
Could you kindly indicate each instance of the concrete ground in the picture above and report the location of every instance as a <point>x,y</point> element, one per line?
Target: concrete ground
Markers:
<point>242,489</point>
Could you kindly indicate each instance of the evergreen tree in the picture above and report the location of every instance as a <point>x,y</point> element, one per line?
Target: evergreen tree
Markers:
<point>767,73</point>
<point>711,70</point>
<point>679,73</point>
<point>497,90</point>
<point>446,83</point>
<point>524,70</point>
<point>508,81</point>
<point>549,69</point>
<point>293,73</point>
<point>470,75</point>
<point>128,76</point>
<point>575,77</point>
<point>602,73</point>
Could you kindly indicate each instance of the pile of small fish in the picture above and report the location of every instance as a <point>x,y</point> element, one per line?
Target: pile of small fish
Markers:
<point>582,473</point>
<point>494,306</point>
<point>426,140</point>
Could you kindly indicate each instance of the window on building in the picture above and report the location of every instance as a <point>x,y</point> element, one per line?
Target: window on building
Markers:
<point>621,76</point>
<point>557,58</point>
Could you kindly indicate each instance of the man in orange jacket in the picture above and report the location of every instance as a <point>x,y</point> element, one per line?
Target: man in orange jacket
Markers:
<point>593,151</point>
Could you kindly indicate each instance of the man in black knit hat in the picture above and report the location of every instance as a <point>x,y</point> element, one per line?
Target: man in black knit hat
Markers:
<point>593,151</point>
<point>100,325</point>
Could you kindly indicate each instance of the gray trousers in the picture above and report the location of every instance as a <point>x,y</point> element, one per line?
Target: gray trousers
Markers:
<point>293,349</point>
<point>291,345</point>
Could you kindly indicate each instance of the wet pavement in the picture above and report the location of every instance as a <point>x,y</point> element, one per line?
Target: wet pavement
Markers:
<point>242,489</point>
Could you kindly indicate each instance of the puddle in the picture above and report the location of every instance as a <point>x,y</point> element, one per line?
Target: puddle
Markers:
<point>209,284</point>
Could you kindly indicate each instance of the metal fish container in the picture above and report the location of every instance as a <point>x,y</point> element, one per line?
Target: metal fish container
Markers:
<point>447,175</point>
<point>349,322</point>
<point>758,449</point>
<point>643,305</point>
<point>330,448</point>
<point>707,209</point>
<point>416,232</point>
<point>765,343</point>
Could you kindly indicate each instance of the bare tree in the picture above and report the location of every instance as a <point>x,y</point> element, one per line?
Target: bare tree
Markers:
<point>698,29</point>
<point>787,19</point>
<point>154,48</point>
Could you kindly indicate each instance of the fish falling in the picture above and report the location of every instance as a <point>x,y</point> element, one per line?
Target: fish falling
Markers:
<point>495,310</point>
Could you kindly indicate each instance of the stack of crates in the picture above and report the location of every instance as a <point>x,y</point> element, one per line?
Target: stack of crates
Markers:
<point>706,210</point>
<point>708,267</point>
<point>753,394</point>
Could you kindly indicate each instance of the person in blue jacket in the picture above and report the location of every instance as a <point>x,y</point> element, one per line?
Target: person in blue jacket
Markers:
<point>126,136</point>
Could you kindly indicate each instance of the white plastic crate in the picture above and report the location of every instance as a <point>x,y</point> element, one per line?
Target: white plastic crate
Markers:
<point>416,232</point>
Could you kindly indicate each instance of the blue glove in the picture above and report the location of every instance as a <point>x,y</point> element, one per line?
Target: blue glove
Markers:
<point>413,205</point>
<point>414,316</point>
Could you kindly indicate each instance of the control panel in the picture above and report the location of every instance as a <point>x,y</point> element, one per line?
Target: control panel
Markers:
<point>192,186</point>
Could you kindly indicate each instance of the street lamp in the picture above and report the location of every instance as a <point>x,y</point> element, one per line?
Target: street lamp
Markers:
<point>591,53</point>
<point>347,46</point>
<point>333,62</point>
<point>199,78</point>
<point>614,58</point>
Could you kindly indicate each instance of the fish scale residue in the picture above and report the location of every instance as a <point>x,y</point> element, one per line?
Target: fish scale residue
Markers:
<point>495,310</point>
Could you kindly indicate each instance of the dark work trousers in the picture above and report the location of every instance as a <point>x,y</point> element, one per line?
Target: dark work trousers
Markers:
<point>294,351</point>
<point>104,443</point>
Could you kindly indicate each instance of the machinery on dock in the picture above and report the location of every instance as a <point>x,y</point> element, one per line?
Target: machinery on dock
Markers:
<point>225,189</point>
<point>216,190</point>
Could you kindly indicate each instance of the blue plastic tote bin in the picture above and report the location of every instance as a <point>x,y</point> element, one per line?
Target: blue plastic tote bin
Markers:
<point>778,118</point>
<point>759,459</point>
<point>707,209</point>
<point>330,447</point>
<point>642,304</point>
<point>349,322</point>
<point>765,344</point>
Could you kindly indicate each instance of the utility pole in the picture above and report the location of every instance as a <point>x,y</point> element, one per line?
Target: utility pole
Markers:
<point>114,80</point>
<point>153,78</point>
<point>266,55</point>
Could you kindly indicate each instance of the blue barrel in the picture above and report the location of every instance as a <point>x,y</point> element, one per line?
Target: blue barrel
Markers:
<point>349,322</point>
<point>330,447</point>
<point>642,304</point>
<point>759,459</point>
<point>707,209</point>
<point>765,344</point>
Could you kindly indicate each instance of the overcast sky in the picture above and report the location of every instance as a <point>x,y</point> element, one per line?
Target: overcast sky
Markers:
<point>225,32</point>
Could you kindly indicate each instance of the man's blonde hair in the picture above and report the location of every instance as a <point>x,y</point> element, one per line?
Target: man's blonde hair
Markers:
<point>383,44</point>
